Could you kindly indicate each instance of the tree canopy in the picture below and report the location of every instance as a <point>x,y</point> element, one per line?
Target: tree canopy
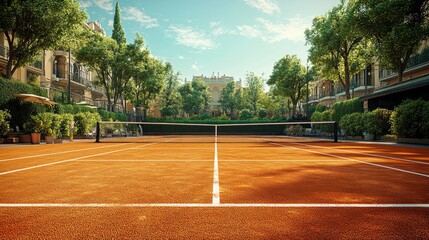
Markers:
<point>289,80</point>
<point>33,26</point>
<point>397,27</point>
<point>337,49</point>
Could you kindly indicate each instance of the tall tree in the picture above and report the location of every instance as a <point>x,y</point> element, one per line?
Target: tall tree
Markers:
<point>33,26</point>
<point>254,92</point>
<point>288,80</point>
<point>337,48</point>
<point>398,27</point>
<point>170,101</point>
<point>149,82</point>
<point>98,55</point>
<point>118,33</point>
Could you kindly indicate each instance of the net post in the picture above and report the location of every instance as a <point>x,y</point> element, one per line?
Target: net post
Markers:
<point>97,133</point>
<point>335,131</point>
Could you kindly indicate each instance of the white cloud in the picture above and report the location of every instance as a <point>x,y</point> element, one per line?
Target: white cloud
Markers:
<point>292,30</point>
<point>85,4</point>
<point>218,31</point>
<point>110,23</point>
<point>181,57</point>
<point>191,37</point>
<point>214,24</point>
<point>248,31</point>
<point>195,67</point>
<point>266,6</point>
<point>104,4</point>
<point>135,14</point>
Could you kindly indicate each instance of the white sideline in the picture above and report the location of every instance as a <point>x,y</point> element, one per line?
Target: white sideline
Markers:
<point>354,160</point>
<point>54,153</point>
<point>369,154</point>
<point>208,205</point>
<point>71,160</point>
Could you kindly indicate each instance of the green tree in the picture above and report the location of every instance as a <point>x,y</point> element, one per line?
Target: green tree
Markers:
<point>254,92</point>
<point>98,55</point>
<point>33,26</point>
<point>397,27</point>
<point>118,33</point>
<point>195,97</point>
<point>289,80</point>
<point>149,81</point>
<point>170,101</point>
<point>337,49</point>
<point>228,98</point>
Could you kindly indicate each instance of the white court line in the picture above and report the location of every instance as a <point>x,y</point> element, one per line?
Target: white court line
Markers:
<point>285,161</point>
<point>71,160</point>
<point>149,160</point>
<point>354,160</point>
<point>208,205</point>
<point>369,154</point>
<point>216,188</point>
<point>49,154</point>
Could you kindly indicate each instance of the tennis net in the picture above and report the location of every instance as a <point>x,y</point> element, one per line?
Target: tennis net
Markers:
<point>148,132</point>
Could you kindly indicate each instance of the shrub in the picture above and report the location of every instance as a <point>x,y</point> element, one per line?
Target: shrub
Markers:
<point>245,114</point>
<point>263,113</point>
<point>4,124</point>
<point>377,122</point>
<point>295,130</point>
<point>411,119</point>
<point>66,123</point>
<point>353,124</point>
<point>85,122</point>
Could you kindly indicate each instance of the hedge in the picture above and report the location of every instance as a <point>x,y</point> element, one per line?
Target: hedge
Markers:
<point>19,110</point>
<point>346,107</point>
<point>411,119</point>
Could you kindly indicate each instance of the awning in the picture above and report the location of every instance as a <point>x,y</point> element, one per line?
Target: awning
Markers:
<point>34,98</point>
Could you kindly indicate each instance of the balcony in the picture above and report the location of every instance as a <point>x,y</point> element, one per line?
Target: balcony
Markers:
<point>415,64</point>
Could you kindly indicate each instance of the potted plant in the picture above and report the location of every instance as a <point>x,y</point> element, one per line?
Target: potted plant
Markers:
<point>4,124</point>
<point>34,126</point>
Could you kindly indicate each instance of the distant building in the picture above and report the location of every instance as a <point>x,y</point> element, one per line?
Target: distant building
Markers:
<point>216,85</point>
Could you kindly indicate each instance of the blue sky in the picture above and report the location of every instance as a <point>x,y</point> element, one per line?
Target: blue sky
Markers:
<point>200,37</point>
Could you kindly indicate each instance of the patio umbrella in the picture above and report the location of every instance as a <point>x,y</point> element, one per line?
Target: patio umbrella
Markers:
<point>34,98</point>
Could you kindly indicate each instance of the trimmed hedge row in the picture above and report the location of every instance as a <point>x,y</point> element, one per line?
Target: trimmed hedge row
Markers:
<point>105,115</point>
<point>343,108</point>
<point>20,111</point>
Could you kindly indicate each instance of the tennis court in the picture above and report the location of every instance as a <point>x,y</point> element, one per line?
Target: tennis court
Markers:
<point>184,187</point>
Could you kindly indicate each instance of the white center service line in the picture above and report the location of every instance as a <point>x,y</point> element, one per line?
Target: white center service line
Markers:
<point>355,160</point>
<point>208,205</point>
<point>72,159</point>
<point>216,191</point>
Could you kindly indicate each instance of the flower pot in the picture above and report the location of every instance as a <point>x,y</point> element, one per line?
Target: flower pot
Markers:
<point>49,139</point>
<point>25,138</point>
<point>35,138</point>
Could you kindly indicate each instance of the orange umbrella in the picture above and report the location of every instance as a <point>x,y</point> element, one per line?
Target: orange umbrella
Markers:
<point>34,98</point>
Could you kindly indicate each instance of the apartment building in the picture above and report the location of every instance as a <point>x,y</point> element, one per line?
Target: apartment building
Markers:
<point>60,73</point>
<point>216,85</point>
<point>378,87</point>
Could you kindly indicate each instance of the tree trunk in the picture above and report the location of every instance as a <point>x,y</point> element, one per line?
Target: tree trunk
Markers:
<point>347,78</point>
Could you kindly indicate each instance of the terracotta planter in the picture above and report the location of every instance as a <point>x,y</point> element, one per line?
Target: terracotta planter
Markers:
<point>25,138</point>
<point>35,138</point>
<point>49,139</point>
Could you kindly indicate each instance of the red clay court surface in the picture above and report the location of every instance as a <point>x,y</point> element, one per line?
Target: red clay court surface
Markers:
<point>85,190</point>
